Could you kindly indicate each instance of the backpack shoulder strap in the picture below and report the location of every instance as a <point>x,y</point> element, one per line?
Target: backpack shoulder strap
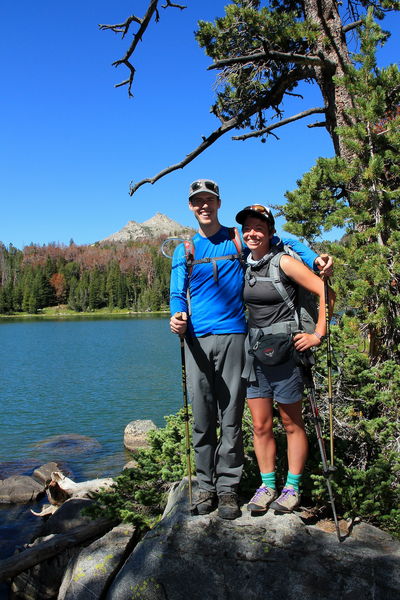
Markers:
<point>236,239</point>
<point>234,236</point>
<point>189,254</point>
<point>275,276</point>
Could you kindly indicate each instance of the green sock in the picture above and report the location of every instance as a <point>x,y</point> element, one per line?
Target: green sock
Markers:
<point>268,479</point>
<point>293,480</point>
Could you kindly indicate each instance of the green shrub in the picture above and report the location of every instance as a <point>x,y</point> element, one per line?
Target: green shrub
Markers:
<point>366,451</point>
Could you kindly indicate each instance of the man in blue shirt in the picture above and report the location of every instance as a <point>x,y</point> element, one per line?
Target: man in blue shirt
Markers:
<point>214,327</point>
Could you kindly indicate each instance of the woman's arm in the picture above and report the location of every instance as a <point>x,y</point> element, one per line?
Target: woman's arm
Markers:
<point>303,276</point>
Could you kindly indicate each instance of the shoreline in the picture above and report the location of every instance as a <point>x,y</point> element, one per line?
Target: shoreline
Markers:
<point>62,314</point>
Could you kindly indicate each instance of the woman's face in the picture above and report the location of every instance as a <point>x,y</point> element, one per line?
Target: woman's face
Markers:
<point>257,236</point>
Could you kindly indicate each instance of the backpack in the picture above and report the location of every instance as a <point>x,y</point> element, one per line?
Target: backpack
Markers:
<point>190,260</point>
<point>305,312</point>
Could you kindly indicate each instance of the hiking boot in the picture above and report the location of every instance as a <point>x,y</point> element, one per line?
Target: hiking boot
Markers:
<point>287,501</point>
<point>228,506</point>
<point>262,499</point>
<point>205,502</point>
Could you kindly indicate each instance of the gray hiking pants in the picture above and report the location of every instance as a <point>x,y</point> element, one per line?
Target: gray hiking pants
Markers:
<point>214,366</point>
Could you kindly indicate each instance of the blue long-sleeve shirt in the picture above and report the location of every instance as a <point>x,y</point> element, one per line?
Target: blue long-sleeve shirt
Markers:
<point>216,306</point>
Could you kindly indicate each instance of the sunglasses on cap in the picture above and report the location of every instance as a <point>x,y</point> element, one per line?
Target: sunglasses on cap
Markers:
<point>200,185</point>
<point>259,208</point>
<point>263,211</point>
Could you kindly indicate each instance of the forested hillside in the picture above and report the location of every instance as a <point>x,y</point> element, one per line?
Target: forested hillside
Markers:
<point>133,275</point>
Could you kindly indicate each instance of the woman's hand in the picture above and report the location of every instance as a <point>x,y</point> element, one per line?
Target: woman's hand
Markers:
<point>304,341</point>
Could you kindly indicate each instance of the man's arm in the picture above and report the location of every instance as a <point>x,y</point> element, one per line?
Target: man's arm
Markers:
<point>178,292</point>
<point>322,264</point>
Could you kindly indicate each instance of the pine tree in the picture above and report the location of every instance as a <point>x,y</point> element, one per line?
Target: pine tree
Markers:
<point>363,196</point>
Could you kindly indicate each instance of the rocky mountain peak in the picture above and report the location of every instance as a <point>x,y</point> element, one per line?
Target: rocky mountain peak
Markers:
<point>158,226</point>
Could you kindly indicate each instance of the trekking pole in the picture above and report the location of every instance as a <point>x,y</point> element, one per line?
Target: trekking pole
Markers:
<point>327,469</point>
<point>186,413</point>
<point>329,365</point>
<point>167,248</point>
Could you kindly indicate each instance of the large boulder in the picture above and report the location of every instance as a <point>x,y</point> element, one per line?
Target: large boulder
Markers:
<point>271,556</point>
<point>90,572</point>
<point>20,489</point>
<point>43,473</point>
<point>135,434</point>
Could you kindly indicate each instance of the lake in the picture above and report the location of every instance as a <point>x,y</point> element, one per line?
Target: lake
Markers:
<point>84,376</point>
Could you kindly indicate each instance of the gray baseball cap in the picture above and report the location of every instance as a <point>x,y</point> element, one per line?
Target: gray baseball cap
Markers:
<point>203,185</point>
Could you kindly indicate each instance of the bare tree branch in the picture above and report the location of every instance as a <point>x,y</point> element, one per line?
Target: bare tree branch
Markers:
<point>317,124</point>
<point>206,143</point>
<point>273,99</point>
<point>266,130</point>
<point>303,59</point>
<point>351,26</point>
<point>123,28</point>
<point>173,5</point>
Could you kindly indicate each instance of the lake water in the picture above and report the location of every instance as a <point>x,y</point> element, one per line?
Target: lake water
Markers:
<point>88,377</point>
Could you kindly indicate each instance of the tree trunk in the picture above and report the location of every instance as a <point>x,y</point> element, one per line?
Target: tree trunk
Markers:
<point>331,44</point>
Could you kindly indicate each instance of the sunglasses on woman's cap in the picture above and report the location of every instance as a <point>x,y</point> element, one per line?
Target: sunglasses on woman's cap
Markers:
<point>203,185</point>
<point>256,210</point>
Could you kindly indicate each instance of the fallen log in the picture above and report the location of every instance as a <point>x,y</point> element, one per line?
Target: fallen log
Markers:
<point>56,543</point>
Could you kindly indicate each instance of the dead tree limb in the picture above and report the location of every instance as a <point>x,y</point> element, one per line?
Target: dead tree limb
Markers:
<point>173,5</point>
<point>123,28</point>
<point>36,554</point>
<point>273,100</point>
<point>266,130</point>
<point>206,143</point>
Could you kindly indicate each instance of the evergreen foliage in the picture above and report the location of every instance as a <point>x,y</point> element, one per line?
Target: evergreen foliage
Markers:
<point>362,196</point>
<point>139,494</point>
<point>131,276</point>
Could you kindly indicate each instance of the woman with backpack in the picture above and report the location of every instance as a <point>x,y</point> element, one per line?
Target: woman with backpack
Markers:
<point>275,347</point>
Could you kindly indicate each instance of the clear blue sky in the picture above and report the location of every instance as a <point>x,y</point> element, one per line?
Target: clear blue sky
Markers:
<point>71,143</point>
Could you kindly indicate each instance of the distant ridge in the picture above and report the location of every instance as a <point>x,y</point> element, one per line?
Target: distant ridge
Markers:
<point>158,226</point>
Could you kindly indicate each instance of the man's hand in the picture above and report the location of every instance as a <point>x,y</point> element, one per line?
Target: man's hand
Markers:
<point>178,323</point>
<point>324,263</point>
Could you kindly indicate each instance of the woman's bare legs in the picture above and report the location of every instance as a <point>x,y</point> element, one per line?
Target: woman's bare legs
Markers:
<point>264,441</point>
<point>297,444</point>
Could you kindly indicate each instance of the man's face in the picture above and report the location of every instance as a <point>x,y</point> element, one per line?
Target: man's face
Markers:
<point>205,207</point>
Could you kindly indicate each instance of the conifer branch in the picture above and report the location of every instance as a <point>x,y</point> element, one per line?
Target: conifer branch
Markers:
<point>303,59</point>
<point>351,26</point>
<point>266,130</point>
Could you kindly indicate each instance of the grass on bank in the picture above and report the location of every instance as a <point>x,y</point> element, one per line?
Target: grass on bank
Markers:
<point>62,310</point>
